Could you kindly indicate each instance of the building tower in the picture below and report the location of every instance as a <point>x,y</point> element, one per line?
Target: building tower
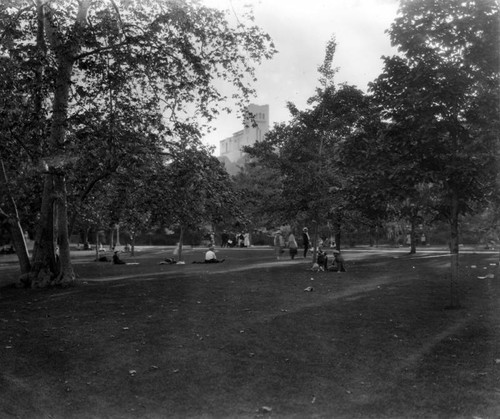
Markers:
<point>231,153</point>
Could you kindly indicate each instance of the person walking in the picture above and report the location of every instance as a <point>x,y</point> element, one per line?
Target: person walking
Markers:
<point>292,245</point>
<point>279,243</point>
<point>306,240</point>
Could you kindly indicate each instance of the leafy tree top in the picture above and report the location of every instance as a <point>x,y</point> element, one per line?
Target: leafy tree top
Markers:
<point>440,98</point>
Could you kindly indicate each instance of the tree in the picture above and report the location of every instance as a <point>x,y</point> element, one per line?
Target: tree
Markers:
<point>161,58</point>
<point>306,151</point>
<point>441,98</point>
<point>191,190</point>
<point>259,194</point>
<point>18,180</point>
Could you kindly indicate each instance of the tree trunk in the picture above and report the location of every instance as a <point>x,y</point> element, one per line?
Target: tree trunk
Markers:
<point>337,236</point>
<point>413,228</point>
<point>15,228</point>
<point>118,235</point>
<point>315,241</point>
<point>43,266</point>
<point>97,244</point>
<point>19,241</point>
<point>454,254</point>
<point>111,237</point>
<point>66,274</point>
<point>181,239</point>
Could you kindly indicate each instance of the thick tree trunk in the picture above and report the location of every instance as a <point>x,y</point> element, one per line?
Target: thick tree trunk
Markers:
<point>66,274</point>
<point>43,266</point>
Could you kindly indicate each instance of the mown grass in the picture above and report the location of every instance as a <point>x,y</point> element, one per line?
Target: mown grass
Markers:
<point>221,341</point>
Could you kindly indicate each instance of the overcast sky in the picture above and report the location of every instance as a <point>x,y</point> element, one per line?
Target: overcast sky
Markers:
<point>300,30</point>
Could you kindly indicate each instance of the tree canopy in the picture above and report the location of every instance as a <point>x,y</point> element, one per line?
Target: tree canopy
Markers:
<point>106,85</point>
<point>440,100</point>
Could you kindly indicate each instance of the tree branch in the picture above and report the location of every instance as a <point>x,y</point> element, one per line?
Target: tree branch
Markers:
<point>49,25</point>
<point>9,26</point>
<point>98,50</point>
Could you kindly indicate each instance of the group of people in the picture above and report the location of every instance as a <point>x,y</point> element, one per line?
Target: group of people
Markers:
<point>337,264</point>
<point>323,261</point>
<point>291,243</point>
<point>234,240</point>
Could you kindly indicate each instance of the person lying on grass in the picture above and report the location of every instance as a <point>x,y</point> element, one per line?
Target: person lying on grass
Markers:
<point>168,261</point>
<point>173,259</point>
<point>211,257</point>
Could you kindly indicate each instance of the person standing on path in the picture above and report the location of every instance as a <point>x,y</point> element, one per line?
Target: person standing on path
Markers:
<point>292,245</point>
<point>279,243</point>
<point>306,240</point>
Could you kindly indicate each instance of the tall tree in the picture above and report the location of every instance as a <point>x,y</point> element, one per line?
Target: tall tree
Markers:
<point>163,56</point>
<point>306,151</point>
<point>441,97</point>
<point>18,179</point>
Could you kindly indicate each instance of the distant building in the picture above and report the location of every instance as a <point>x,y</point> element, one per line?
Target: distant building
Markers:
<point>231,153</point>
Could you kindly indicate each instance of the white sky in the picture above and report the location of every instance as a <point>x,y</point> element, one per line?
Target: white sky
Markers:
<point>300,30</point>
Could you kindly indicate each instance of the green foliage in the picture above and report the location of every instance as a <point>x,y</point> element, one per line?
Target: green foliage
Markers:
<point>104,89</point>
<point>259,194</point>
<point>440,100</point>
<point>191,189</point>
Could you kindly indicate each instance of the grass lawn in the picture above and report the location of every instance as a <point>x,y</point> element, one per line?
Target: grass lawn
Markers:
<point>242,339</point>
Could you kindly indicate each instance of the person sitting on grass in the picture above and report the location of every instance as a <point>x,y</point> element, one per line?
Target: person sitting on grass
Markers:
<point>117,260</point>
<point>338,262</point>
<point>211,257</point>
<point>322,259</point>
